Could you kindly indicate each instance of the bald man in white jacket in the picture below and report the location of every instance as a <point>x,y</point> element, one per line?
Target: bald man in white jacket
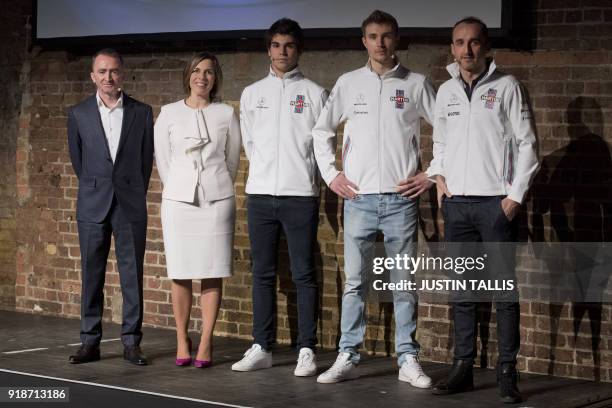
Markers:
<point>484,161</point>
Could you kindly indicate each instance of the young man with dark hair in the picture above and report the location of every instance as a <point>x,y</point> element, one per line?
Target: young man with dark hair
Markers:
<point>286,26</point>
<point>382,104</point>
<point>484,161</point>
<point>277,115</point>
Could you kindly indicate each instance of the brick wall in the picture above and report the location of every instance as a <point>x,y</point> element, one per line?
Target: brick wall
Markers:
<point>569,78</point>
<point>12,53</point>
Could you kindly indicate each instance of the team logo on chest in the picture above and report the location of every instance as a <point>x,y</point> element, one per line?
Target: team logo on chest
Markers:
<point>299,104</point>
<point>360,100</point>
<point>360,106</point>
<point>399,99</point>
<point>490,98</point>
<point>261,103</point>
<point>453,101</point>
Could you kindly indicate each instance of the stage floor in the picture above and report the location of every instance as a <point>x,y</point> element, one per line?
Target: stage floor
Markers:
<point>34,352</point>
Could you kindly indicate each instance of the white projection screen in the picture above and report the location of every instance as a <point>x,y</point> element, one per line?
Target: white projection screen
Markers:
<point>233,18</point>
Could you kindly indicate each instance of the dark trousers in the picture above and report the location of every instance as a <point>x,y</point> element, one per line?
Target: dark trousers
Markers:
<point>298,217</point>
<point>95,242</point>
<point>481,219</point>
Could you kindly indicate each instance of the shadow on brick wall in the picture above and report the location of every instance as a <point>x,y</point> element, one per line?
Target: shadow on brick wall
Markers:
<point>336,220</point>
<point>573,188</point>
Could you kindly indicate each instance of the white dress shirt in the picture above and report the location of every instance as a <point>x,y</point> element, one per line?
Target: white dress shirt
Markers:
<point>111,122</point>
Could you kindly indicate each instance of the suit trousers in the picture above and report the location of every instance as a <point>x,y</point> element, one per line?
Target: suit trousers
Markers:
<point>481,219</point>
<point>95,242</point>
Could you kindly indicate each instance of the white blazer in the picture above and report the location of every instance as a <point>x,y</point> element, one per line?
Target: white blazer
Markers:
<point>197,146</point>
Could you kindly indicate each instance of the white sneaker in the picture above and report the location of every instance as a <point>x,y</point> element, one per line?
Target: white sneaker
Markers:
<point>306,363</point>
<point>342,370</point>
<point>411,372</point>
<point>255,358</point>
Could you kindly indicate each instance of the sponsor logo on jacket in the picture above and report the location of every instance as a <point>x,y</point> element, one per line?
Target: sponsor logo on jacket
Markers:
<point>525,112</point>
<point>453,101</point>
<point>360,105</point>
<point>261,103</point>
<point>360,100</point>
<point>399,99</point>
<point>490,98</point>
<point>299,104</point>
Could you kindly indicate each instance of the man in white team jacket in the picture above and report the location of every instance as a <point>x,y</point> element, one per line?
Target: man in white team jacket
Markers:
<point>484,160</point>
<point>382,104</point>
<point>277,114</point>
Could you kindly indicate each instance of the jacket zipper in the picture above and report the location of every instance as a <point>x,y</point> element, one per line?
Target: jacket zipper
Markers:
<point>467,136</point>
<point>378,137</point>
<point>470,101</point>
<point>278,127</point>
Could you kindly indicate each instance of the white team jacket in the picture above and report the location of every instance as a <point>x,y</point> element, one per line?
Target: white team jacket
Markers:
<point>382,129</point>
<point>486,146</point>
<point>276,118</point>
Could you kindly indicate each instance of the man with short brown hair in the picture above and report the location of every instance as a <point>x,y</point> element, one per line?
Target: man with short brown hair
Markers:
<point>382,104</point>
<point>110,139</point>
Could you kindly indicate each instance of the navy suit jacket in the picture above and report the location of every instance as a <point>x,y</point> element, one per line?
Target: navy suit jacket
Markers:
<point>99,178</point>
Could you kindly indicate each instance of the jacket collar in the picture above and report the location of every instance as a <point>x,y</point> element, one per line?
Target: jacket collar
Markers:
<point>118,104</point>
<point>453,70</point>
<point>94,113</point>
<point>293,75</point>
<point>128,118</point>
<point>398,71</point>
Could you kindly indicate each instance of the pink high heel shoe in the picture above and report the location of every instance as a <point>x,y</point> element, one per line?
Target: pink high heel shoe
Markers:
<point>203,363</point>
<point>183,362</point>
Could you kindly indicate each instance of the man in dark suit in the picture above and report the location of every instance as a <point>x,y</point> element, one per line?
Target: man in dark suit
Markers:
<point>110,138</point>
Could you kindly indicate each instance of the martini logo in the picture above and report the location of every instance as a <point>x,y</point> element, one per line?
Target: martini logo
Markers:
<point>399,99</point>
<point>299,104</point>
<point>490,98</point>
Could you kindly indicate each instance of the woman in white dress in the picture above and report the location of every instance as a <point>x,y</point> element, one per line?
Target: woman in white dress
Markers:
<point>197,151</point>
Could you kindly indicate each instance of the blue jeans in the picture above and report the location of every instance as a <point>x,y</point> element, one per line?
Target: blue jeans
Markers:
<point>396,217</point>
